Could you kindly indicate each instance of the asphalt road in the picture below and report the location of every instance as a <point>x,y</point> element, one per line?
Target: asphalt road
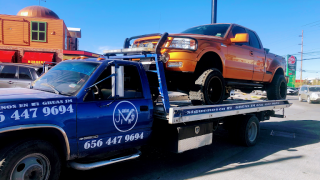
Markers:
<point>288,148</point>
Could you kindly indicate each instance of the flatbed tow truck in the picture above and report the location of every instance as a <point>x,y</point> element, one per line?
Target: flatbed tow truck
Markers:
<point>91,113</point>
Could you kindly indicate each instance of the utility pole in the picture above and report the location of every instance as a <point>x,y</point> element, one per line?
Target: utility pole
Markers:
<point>214,11</point>
<point>301,80</point>
<point>41,0</point>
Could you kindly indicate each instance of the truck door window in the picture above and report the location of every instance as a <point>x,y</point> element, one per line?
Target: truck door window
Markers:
<point>132,84</point>
<point>237,30</point>
<point>24,73</point>
<point>8,72</point>
<point>253,40</point>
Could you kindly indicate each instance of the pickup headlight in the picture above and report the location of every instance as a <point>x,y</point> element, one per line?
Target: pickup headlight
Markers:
<point>183,43</point>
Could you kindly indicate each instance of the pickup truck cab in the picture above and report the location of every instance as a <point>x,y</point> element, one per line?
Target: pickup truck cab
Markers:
<point>93,112</point>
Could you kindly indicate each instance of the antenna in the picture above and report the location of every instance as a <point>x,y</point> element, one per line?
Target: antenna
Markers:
<point>41,0</point>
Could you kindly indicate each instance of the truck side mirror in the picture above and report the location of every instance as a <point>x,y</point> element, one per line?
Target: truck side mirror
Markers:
<point>117,81</point>
<point>240,38</point>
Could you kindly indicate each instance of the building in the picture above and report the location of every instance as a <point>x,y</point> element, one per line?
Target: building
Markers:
<point>37,34</point>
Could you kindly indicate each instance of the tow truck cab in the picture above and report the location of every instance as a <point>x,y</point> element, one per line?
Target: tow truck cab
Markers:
<point>85,110</point>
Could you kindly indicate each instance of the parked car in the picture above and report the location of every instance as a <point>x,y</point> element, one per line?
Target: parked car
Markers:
<point>309,93</point>
<point>292,91</point>
<point>223,56</point>
<point>18,75</point>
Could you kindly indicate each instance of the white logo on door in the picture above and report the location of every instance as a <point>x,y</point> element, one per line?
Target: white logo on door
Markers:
<point>125,116</point>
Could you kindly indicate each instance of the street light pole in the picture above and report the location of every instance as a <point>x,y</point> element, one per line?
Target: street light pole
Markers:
<point>301,58</point>
<point>214,12</point>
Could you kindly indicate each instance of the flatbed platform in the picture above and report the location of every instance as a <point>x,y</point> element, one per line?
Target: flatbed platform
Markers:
<point>184,111</point>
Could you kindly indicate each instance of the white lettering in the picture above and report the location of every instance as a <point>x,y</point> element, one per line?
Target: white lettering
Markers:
<point>68,100</point>
<point>35,104</point>
<point>23,105</point>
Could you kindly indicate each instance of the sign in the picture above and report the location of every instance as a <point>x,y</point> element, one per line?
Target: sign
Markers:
<point>37,57</point>
<point>291,70</point>
<point>125,116</point>
<point>292,63</point>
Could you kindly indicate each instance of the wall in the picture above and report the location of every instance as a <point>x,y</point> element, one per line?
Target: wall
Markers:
<point>15,31</point>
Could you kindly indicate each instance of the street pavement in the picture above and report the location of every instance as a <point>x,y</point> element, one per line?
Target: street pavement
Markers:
<point>288,148</point>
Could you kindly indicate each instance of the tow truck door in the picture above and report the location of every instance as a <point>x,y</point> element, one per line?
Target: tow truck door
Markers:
<point>105,123</point>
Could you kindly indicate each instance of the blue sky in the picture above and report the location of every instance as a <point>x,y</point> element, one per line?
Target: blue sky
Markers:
<point>106,23</point>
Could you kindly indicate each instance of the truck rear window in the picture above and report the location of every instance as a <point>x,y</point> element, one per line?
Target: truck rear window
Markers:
<point>218,30</point>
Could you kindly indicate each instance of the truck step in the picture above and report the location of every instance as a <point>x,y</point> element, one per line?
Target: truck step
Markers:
<point>84,167</point>
<point>235,83</point>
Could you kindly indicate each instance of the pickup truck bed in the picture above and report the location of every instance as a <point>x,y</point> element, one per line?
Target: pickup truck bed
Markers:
<point>184,111</point>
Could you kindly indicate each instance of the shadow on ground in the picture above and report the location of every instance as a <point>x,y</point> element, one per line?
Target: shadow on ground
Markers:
<point>156,164</point>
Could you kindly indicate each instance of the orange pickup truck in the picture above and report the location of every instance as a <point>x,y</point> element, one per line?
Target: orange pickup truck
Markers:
<point>209,61</point>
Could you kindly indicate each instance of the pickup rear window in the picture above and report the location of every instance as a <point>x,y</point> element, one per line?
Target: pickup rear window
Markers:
<point>218,30</point>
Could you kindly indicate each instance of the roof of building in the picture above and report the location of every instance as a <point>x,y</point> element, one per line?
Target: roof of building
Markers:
<point>37,11</point>
<point>74,32</point>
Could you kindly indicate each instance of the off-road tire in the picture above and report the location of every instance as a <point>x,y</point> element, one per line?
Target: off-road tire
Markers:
<point>277,89</point>
<point>203,93</point>
<point>11,154</point>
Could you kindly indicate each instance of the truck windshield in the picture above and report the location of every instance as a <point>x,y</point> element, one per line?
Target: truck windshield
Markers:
<point>314,89</point>
<point>66,77</point>
<point>218,30</point>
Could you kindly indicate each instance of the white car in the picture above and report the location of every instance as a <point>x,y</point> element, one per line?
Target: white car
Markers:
<point>309,93</point>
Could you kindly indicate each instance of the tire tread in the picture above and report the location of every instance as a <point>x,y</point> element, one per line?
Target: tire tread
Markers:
<point>196,94</point>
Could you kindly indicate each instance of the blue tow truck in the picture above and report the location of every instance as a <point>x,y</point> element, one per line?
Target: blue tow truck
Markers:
<point>91,113</point>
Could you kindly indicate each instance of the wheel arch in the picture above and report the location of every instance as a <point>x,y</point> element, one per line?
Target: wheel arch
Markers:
<point>278,71</point>
<point>52,133</point>
<point>209,59</point>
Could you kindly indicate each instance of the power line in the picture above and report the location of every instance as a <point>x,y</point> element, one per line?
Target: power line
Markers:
<point>299,52</point>
<point>309,59</point>
<point>286,38</point>
<point>306,53</point>
<point>310,23</point>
